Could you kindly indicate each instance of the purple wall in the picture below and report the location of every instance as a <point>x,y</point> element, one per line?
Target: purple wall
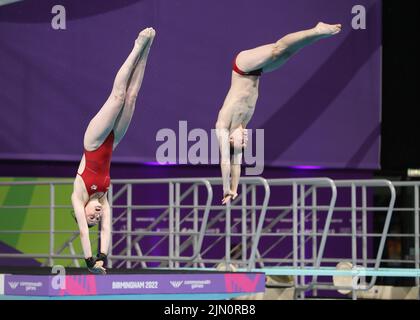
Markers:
<point>322,108</point>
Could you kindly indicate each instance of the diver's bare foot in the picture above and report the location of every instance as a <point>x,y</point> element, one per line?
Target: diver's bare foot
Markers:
<point>145,36</point>
<point>327,30</point>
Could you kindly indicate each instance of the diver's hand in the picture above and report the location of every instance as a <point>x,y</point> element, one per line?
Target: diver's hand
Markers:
<point>95,266</point>
<point>239,138</point>
<point>244,138</point>
<point>102,257</point>
<point>228,197</point>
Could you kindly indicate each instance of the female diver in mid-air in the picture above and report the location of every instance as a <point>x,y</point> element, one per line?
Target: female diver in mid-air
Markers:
<point>103,134</point>
<point>239,104</point>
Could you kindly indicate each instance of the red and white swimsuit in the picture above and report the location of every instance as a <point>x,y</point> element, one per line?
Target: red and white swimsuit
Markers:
<point>98,162</point>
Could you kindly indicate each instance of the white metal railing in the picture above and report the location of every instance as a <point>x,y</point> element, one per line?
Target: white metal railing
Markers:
<point>200,233</point>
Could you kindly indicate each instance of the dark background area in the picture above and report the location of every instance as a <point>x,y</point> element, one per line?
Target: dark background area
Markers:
<point>400,147</point>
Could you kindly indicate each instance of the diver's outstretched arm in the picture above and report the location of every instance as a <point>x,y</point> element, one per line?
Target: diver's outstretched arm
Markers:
<point>224,145</point>
<point>79,212</point>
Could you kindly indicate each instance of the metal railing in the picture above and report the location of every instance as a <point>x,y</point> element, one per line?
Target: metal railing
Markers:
<point>282,223</point>
<point>171,211</point>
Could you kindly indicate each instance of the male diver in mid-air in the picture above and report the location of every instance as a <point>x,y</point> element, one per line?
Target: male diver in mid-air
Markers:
<point>239,104</point>
<point>103,134</point>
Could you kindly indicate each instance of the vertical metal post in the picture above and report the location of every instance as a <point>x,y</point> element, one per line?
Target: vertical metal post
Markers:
<point>52,224</point>
<point>416,230</point>
<point>353,231</point>
<point>195,222</point>
<point>171,225</point>
<point>111,219</point>
<point>253,214</point>
<point>314,233</point>
<point>302,236</point>
<point>364,231</point>
<point>295,227</point>
<point>228,234</point>
<point>244,225</point>
<point>177,221</point>
<point>129,223</point>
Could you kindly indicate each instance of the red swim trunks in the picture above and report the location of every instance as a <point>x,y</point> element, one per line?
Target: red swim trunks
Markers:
<point>243,73</point>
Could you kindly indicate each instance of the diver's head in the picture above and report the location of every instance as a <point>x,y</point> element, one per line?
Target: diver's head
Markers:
<point>93,212</point>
